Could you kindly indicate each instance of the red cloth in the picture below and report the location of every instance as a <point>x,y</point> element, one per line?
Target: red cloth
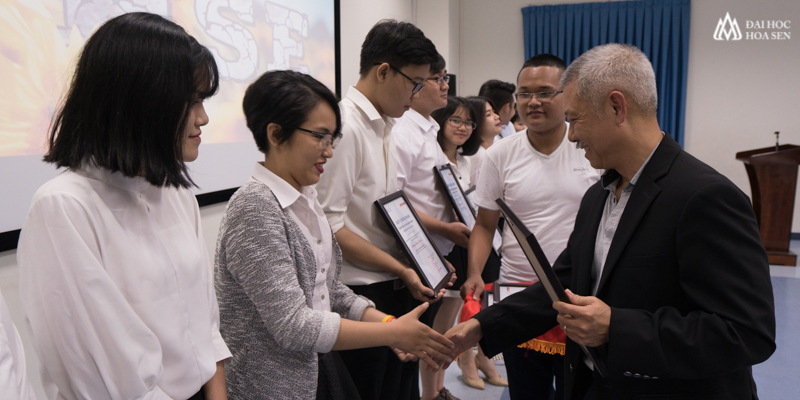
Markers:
<point>554,336</point>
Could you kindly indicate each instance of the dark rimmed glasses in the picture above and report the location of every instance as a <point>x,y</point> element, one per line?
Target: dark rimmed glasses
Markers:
<point>439,80</point>
<point>325,139</point>
<point>543,97</point>
<point>457,123</point>
<point>417,85</point>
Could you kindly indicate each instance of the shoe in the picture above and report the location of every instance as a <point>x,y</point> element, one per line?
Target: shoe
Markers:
<point>445,394</point>
<point>475,383</point>
<point>494,380</point>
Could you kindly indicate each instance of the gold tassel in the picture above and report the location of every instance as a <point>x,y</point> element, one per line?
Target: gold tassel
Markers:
<point>544,347</point>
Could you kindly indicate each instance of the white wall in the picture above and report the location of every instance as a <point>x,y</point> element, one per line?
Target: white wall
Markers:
<point>738,93</point>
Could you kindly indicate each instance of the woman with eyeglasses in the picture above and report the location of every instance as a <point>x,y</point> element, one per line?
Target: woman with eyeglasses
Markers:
<point>458,139</point>
<point>283,308</point>
<point>114,272</point>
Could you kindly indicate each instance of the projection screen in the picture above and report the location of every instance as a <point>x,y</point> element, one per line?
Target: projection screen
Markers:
<point>40,41</point>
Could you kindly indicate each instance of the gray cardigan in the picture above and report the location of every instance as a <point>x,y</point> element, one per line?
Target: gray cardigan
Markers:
<point>264,278</point>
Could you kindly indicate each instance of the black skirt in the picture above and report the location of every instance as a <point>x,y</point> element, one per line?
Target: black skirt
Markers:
<point>458,257</point>
<point>333,380</point>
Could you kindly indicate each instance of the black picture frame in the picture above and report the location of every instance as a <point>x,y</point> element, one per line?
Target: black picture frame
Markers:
<point>426,275</point>
<point>498,289</point>
<point>533,251</point>
<point>459,198</point>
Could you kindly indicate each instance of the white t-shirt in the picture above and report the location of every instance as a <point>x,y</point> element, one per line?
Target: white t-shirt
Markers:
<point>418,153</point>
<point>14,384</point>
<point>363,169</point>
<point>115,280</point>
<point>543,190</point>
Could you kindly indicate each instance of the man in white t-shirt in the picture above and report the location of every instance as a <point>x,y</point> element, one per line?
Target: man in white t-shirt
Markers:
<point>394,66</point>
<point>542,177</point>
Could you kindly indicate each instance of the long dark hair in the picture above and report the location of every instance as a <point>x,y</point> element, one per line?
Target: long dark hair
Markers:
<point>284,98</point>
<point>130,98</point>
<point>441,116</point>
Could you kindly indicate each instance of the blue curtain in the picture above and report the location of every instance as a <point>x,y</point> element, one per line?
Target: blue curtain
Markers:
<point>660,28</point>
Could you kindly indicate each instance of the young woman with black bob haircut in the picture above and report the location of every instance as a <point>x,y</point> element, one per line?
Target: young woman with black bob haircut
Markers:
<point>282,306</point>
<point>459,125</point>
<point>114,269</point>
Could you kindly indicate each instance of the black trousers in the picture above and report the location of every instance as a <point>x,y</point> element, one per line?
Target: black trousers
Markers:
<point>531,373</point>
<point>376,371</point>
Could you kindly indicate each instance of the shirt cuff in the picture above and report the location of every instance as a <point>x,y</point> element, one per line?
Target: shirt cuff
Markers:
<point>489,205</point>
<point>328,332</point>
<point>358,307</point>
<point>221,351</point>
<point>335,220</point>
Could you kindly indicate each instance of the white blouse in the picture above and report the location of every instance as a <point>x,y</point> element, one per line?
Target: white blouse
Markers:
<point>307,213</point>
<point>14,384</point>
<point>115,282</point>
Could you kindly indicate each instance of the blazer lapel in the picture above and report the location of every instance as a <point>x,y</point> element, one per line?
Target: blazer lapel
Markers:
<point>644,192</point>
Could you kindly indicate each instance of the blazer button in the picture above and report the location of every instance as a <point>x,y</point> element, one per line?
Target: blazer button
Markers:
<point>628,374</point>
<point>637,376</point>
<point>646,377</point>
<point>571,369</point>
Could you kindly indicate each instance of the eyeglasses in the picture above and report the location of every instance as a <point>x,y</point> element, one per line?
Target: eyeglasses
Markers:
<point>541,96</point>
<point>325,139</point>
<point>457,123</point>
<point>439,79</point>
<point>417,85</point>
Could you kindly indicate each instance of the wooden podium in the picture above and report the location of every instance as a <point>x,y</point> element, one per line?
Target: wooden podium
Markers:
<point>773,181</point>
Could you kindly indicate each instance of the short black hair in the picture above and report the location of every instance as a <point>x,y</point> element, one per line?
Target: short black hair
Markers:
<point>439,65</point>
<point>396,43</point>
<point>284,98</point>
<point>441,115</point>
<point>130,98</point>
<point>498,92</point>
<point>544,60</point>
<point>478,104</point>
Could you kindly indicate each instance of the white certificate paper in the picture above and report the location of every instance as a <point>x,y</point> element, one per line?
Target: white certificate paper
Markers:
<point>411,232</point>
<point>459,200</point>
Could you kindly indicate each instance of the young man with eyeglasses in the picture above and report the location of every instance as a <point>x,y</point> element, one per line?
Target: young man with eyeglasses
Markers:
<point>418,152</point>
<point>542,177</point>
<point>395,62</point>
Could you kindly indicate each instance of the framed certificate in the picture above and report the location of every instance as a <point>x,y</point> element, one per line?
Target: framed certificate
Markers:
<point>415,241</point>
<point>461,202</point>
<point>530,246</point>
<point>503,290</point>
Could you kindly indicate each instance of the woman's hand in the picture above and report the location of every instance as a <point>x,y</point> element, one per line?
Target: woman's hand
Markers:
<point>414,337</point>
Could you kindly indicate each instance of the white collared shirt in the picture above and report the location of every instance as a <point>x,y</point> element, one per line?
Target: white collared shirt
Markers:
<point>14,384</point>
<point>418,152</point>
<point>363,169</point>
<point>307,213</point>
<point>114,278</point>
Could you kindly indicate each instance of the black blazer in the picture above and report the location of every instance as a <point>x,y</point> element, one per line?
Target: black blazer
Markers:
<point>687,280</point>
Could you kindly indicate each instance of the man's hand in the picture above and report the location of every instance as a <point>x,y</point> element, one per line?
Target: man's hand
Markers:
<point>417,289</point>
<point>464,336</point>
<point>585,321</point>
<point>457,233</point>
<point>473,283</point>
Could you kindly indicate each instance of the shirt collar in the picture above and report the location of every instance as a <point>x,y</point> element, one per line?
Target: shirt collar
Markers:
<point>115,179</point>
<point>425,123</point>
<point>283,191</point>
<point>609,179</point>
<point>364,104</point>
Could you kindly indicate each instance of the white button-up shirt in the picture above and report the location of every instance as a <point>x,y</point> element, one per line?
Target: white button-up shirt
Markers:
<point>14,384</point>
<point>418,152</point>
<point>115,282</point>
<point>363,169</point>
<point>307,213</point>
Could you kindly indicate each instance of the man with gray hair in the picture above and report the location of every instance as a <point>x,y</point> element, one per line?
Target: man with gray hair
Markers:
<point>665,271</point>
